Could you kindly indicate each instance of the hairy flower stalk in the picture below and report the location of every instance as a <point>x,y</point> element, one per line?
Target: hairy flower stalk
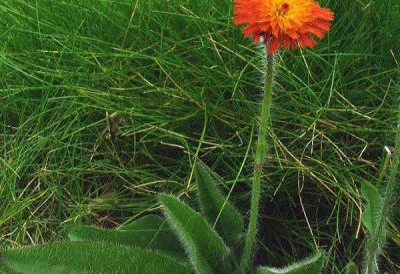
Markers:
<point>286,24</point>
<point>261,150</point>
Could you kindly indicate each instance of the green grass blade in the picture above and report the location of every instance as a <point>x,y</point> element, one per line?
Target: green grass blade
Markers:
<point>206,249</point>
<point>228,221</point>
<point>90,258</point>
<point>311,265</point>
<point>148,232</point>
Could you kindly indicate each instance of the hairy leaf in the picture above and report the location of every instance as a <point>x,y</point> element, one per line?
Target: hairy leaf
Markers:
<point>90,258</point>
<point>311,265</point>
<point>148,232</point>
<point>351,268</point>
<point>230,223</point>
<point>207,250</point>
<point>372,215</point>
<point>150,220</point>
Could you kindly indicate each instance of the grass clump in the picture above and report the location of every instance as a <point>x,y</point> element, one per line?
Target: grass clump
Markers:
<point>105,103</point>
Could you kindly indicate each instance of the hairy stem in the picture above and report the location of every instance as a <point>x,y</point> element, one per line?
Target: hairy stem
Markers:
<point>259,163</point>
<point>372,256</point>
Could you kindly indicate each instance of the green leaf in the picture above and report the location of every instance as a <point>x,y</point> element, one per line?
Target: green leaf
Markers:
<point>148,232</point>
<point>351,268</point>
<point>230,222</point>
<point>90,258</point>
<point>311,265</point>
<point>3,270</point>
<point>372,215</point>
<point>206,249</point>
<point>150,220</point>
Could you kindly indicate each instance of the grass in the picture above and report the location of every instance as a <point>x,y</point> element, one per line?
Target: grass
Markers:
<point>104,103</point>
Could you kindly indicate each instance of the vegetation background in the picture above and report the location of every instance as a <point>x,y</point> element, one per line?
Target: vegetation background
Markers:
<point>105,103</point>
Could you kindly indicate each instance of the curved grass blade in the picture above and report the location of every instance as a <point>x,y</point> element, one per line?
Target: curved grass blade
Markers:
<point>148,232</point>
<point>227,219</point>
<point>311,265</point>
<point>90,258</point>
<point>206,249</point>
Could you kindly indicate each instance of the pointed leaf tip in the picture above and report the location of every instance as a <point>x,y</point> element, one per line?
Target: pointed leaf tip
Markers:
<point>150,231</point>
<point>206,249</point>
<point>372,216</point>
<point>215,206</point>
<point>351,268</point>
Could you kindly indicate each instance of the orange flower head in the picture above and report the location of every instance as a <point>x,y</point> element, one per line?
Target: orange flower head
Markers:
<point>283,23</point>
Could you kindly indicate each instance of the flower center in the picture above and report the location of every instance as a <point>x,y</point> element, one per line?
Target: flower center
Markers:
<point>284,8</point>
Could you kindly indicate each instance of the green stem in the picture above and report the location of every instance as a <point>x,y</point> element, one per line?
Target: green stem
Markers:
<point>372,259</point>
<point>372,264</point>
<point>259,163</point>
<point>390,187</point>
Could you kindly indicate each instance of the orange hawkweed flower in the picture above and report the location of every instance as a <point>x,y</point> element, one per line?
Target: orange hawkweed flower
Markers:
<point>283,23</point>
